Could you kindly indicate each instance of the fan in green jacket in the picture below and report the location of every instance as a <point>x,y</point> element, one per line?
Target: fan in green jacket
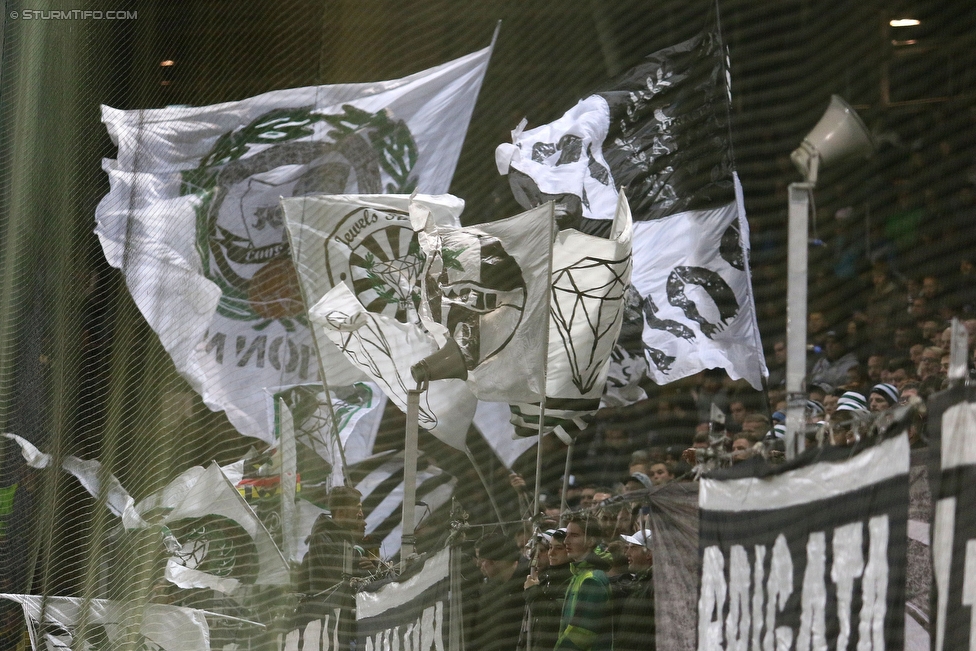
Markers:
<point>585,621</point>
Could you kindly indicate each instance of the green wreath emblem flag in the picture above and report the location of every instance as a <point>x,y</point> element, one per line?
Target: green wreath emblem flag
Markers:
<point>193,217</point>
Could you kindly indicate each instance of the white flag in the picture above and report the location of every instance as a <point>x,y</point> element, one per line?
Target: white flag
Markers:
<point>360,264</point>
<point>385,348</point>
<point>358,410</point>
<point>590,276</point>
<point>486,287</point>
<point>193,216</point>
<point>55,622</point>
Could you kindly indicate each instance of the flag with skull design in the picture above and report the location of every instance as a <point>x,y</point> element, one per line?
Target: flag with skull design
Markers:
<point>193,218</point>
<point>660,132</point>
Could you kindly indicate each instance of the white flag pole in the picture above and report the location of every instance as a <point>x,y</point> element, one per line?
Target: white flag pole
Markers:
<point>796,315</point>
<point>408,538</point>
<point>545,363</point>
<point>318,356</point>
<point>287,481</point>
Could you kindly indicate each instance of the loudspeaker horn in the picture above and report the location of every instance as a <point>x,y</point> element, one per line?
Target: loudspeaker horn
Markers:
<point>447,363</point>
<point>839,133</point>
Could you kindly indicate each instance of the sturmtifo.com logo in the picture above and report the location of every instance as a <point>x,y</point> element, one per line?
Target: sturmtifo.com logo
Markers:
<point>240,233</point>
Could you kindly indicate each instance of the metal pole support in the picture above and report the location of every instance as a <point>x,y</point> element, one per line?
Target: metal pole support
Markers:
<point>796,315</point>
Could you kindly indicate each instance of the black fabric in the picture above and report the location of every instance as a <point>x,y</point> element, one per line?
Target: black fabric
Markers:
<point>545,602</point>
<point>500,609</point>
<point>669,142</point>
<point>634,628</point>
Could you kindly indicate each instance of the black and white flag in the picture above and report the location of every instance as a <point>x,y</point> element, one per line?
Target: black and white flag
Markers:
<point>380,480</point>
<point>410,614</point>
<point>952,441</point>
<point>661,132</point>
<point>809,556</point>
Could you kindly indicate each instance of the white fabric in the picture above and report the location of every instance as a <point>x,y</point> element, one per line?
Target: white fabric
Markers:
<point>171,627</point>
<point>689,239</point>
<point>386,349</point>
<point>492,420</point>
<point>117,499</point>
<point>335,239</point>
<point>34,457</point>
<point>810,483</point>
<point>234,326</point>
<point>358,410</point>
<point>394,595</point>
<point>692,239</point>
<point>589,279</point>
<point>185,577</point>
<point>590,121</point>
<point>213,494</point>
<point>508,340</point>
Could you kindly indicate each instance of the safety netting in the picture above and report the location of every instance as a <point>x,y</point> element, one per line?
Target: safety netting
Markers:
<point>246,247</point>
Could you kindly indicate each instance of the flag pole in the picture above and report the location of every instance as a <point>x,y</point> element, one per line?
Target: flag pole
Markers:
<point>318,357</point>
<point>545,363</point>
<point>408,538</point>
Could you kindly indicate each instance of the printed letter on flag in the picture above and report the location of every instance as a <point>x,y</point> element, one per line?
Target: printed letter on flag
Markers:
<point>193,217</point>
<point>661,132</point>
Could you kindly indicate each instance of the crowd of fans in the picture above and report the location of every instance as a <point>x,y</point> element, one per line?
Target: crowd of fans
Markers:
<point>587,584</point>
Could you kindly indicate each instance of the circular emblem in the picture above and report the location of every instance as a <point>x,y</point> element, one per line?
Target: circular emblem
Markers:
<point>240,226</point>
<point>377,253</point>
<point>216,545</point>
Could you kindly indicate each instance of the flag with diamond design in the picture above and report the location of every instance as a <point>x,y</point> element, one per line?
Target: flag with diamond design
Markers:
<point>590,276</point>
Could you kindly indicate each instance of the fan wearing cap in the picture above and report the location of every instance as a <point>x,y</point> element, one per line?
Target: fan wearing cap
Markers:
<point>498,620</point>
<point>634,629</point>
<point>545,591</point>
<point>584,625</point>
<point>882,396</point>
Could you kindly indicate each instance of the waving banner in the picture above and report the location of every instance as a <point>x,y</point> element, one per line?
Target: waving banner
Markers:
<point>193,216</point>
<point>660,131</point>
<point>812,553</point>
<point>55,622</point>
<point>590,276</point>
<point>358,410</point>
<point>361,267</point>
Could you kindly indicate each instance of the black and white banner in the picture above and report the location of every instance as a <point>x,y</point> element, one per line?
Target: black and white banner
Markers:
<point>952,440</point>
<point>810,556</point>
<point>380,480</point>
<point>411,614</point>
